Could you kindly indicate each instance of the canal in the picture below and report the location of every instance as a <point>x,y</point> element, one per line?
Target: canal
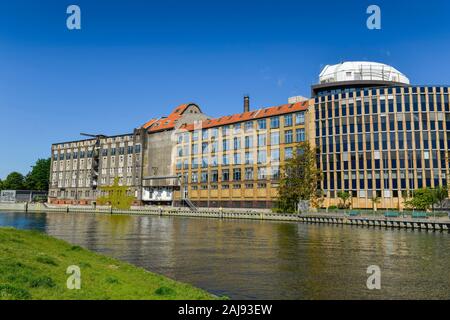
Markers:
<point>261,259</point>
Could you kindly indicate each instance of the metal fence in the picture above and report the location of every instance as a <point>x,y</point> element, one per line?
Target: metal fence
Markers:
<point>15,196</point>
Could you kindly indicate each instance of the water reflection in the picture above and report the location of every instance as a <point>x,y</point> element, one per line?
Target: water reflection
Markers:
<point>264,260</point>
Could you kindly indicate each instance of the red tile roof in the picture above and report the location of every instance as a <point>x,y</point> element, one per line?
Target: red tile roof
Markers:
<point>251,115</point>
<point>166,123</point>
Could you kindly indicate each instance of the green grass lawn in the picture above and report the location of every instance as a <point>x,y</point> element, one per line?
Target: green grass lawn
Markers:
<point>33,266</point>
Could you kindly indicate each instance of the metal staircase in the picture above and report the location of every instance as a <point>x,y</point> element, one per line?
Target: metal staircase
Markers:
<point>190,204</point>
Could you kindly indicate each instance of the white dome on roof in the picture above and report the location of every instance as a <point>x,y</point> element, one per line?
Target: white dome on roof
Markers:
<point>361,70</point>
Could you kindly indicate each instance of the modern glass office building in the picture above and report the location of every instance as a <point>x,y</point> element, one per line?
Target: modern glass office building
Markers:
<point>377,135</point>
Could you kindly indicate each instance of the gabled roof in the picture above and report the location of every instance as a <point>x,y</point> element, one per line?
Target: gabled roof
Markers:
<point>251,115</point>
<point>169,122</point>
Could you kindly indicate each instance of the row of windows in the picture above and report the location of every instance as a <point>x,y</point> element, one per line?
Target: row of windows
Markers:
<point>113,151</point>
<point>260,185</point>
<point>261,124</point>
<point>379,184</point>
<point>356,92</point>
<point>334,109</point>
<point>261,158</point>
<point>413,159</point>
<point>261,140</point>
<point>262,173</point>
<point>392,122</point>
<point>399,141</point>
<point>90,153</point>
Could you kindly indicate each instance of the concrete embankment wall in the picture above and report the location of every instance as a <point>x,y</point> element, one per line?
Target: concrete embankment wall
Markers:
<point>401,222</point>
<point>163,211</point>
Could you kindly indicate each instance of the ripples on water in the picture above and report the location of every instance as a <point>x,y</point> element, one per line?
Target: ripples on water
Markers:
<point>261,259</point>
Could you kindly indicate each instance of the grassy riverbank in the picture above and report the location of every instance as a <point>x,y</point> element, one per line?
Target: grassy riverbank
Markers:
<point>33,266</point>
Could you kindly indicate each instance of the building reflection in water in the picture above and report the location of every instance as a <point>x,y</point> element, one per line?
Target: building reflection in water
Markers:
<point>262,259</point>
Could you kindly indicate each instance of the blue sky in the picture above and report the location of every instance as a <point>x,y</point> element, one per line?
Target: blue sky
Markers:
<point>134,60</point>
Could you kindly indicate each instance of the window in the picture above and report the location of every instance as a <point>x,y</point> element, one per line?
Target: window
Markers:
<point>225,160</point>
<point>236,143</point>
<point>261,173</point>
<point>236,174</point>
<point>262,156</point>
<point>237,158</point>
<point>275,171</point>
<point>214,133</point>
<point>214,176</point>
<point>194,163</point>
<point>225,145</point>
<point>288,120</point>
<point>204,176</point>
<point>275,155</point>
<point>130,149</point>
<point>261,140</point>
<point>288,153</point>
<point>248,142</point>
<point>204,147</point>
<point>225,130</point>
<point>274,122</point>
<point>204,162</point>
<point>248,126</point>
<point>248,157</point>
<point>288,136</point>
<point>274,138</point>
<point>237,128</point>
<point>262,124</point>
<point>248,173</point>
<point>225,175</point>
<point>194,177</point>
<point>300,135</point>
<point>205,134</point>
<point>214,161</point>
<point>299,118</point>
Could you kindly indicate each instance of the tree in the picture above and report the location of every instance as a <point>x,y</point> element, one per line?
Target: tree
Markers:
<point>439,195</point>
<point>299,179</point>
<point>14,181</point>
<point>344,196</point>
<point>423,199</point>
<point>38,178</point>
<point>116,196</point>
<point>1,185</point>
<point>375,200</point>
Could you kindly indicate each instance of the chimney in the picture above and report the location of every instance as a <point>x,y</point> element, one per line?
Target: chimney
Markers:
<point>246,103</point>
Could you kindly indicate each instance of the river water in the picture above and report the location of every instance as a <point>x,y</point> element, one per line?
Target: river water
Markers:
<point>261,259</point>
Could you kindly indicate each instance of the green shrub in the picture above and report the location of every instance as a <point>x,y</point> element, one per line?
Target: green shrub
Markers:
<point>112,280</point>
<point>164,291</point>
